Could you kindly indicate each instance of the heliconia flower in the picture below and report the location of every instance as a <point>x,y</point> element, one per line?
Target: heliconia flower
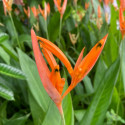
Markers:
<point>122,4</point>
<point>58,5</point>
<point>46,10</point>
<point>7,6</point>
<point>19,2</point>
<point>86,6</point>
<point>27,12</point>
<point>52,81</point>
<point>35,11</point>
<point>100,1</point>
<point>122,22</point>
<point>106,2</point>
<point>99,11</point>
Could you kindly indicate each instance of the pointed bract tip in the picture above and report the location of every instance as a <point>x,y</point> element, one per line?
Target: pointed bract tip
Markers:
<point>105,37</point>
<point>32,31</point>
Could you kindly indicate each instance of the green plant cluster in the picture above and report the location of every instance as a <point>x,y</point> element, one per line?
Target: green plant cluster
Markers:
<point>97,100</point>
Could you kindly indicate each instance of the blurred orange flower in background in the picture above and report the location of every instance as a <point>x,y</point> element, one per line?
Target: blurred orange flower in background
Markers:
<point>7,4</point>
<point>27,12</point>
<point>46,10</point>
<point>35,11</point>
<point>86,6</point>
<point>58,5</point>
<point>122,22</point>
<point>99,11</point>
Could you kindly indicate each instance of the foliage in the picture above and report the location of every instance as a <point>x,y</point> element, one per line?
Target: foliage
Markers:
<point>97,100</point>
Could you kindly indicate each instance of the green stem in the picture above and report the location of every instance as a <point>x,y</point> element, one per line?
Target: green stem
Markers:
<point>60,28</point>
<point>47,35</point>
<point>63,119</point>
<point>15,30</point>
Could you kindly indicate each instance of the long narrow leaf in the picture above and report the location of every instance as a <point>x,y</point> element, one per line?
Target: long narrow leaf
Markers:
<point>11,71</point>
<point>3,37</point>
<point>98,108</point>
<point>6,93</point>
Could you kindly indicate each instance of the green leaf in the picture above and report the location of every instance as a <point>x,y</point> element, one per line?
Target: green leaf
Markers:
<point>122,54</point>
<point>39,96</point>
<point>36,110</point>
<point>100,70</point>
<point>100,103</point>
<point>116,103</point>
<point>16,120</point>
<point>52,116</point>
<point>79,114</point>
<point>88,85</point>
<point>53,27</point>
<point>11,71</point>
<point>9,49</point>
<point>67,105</point>
<point>67,13</point>
<point>4,55</point>
<point>3,37</point>
<point>3,112</point>
<point>6,93</point>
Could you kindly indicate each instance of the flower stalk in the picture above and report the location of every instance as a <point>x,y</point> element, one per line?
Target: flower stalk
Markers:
<point>15,30</point>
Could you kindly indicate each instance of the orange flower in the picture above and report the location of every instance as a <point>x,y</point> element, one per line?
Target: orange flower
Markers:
<point>58,5</point>
<point>99,11</point>
<point>100,1</point>
<point>122,4</point>
<point>122,22</point>
<point>86,6</point>
<point>46,10</point>
<point>35,11</point>
<point>106,2</point>
<point>27,12</point>
<point>7,6</point>
<point>52,81</point>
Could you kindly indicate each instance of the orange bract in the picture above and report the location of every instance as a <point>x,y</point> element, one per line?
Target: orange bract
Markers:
<point>86,6</point>
<point>57,52</point>
<point>58,5</point>
<point>99,11</point>
<point>122,4</point>
<point>84,66</point>
<point>122,22</point>
<point>35,11</point>
<point>106,2</point>
<point>45,74</point>
<point>46,10</point>
<point>7,5</point>
<point>27,12</point>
